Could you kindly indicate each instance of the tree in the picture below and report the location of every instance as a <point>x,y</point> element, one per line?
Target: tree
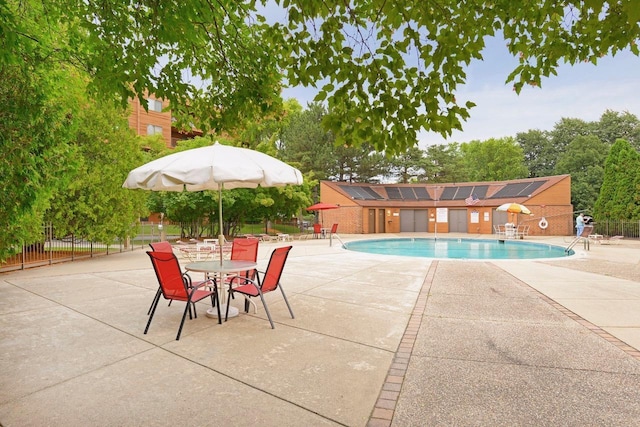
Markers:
<point>584,160</point>
<point>613,126</point>
<point>539,153</point>
<point>387,70</point>
<point>305,143</point>
<point>493,160</point>
<point>37,119</point>
<point>93,204</point>
<point>409,166</point>
<point>444,163</point>
<point>369,165</point>
<point>618,197</point>
<point>565,131</point>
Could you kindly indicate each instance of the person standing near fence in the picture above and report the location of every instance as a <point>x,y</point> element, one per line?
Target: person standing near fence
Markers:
<point>579,224</point>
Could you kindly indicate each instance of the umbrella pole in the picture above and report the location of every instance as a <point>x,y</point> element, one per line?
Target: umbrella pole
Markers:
<point>221,233</point>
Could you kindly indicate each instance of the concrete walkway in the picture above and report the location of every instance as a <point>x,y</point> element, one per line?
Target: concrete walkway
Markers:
<point>377,341</point>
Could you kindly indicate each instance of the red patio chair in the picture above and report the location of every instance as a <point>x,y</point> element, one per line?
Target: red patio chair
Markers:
<point>270,282</point>
<point>161,247</point>
<point>167,248</point>
<point>317,230</point>
<point>244,250</point>
<point>174,285</point>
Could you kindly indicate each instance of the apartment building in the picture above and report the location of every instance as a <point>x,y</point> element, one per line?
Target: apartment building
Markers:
<point>156,120</point>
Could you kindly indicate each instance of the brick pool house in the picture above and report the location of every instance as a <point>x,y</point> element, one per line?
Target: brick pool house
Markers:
<point>468,207</point>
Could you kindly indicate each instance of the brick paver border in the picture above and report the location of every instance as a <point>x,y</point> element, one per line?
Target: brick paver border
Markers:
<point>384,409</point>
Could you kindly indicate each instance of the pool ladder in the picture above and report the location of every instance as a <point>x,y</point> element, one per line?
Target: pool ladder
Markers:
<point>584,235</point>
<point>575,242</point>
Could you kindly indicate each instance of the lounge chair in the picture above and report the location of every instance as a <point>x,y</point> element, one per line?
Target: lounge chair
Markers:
<point>606,240</point>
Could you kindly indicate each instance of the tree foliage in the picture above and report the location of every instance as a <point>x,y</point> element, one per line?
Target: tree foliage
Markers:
<point>37,119</point>
<point>409,166</point>
<point>444,163</point>
<point>614,125</point>
<point>493,160</point>
<point>93,204</point>
<point>584,160</point>
<point>303,142</point>
<point>619,195</point>
<point>387,70</point>
<point>539,152</point>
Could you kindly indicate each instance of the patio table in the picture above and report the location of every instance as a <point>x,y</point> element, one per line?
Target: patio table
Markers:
<point>220,271</point>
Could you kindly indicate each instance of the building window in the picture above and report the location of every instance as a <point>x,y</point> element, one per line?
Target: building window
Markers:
<point>155,105</point>
<point>153,129</point>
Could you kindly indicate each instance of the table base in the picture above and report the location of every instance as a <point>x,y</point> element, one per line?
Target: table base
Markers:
<point>213,312</point>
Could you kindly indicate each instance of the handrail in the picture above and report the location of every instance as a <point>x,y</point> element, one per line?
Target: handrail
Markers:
<point>331,239</point>
<point>572,244</point>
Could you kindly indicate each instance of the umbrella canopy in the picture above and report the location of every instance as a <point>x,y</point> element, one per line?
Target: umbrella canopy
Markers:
<point>322,207</point>
<point>213,168</point>
<point>514,208</point>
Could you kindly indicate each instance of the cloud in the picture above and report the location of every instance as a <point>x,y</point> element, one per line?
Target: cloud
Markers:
<point>583,91</point>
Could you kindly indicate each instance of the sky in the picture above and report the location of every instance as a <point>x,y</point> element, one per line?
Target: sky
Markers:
<point>584,91</point>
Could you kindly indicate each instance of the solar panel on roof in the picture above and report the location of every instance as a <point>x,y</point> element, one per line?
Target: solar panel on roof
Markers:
<point>448,193</point>
<point>356,192</point>
<point>371,192</point>
<point>511,190</point>
<point>532,187</point>
<point>393,193</point>
<point>480,191</point>
<point>463,192</point>
<point>407,193</point>
<point>421,193</point>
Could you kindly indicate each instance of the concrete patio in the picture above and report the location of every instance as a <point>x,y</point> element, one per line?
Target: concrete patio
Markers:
<point>377,341</point>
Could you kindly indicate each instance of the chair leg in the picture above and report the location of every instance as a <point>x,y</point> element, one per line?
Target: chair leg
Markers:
<point>226,313</point>
<point>215,286</point>
<point>153,311</point>
<point>190,314</point>
<point>184,316</point>
<point>266,310</point>
<point>286,301</point>
<point>155,299</point>
<point>217,299</point>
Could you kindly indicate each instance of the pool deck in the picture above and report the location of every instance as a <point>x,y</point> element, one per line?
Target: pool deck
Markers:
<point>376,341</point>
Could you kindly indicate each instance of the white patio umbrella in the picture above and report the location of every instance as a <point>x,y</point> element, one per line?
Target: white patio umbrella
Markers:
<point>214,167</point>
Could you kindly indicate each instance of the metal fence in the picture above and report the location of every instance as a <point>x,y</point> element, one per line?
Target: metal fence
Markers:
<point>51,249</point>
<point>627,229</point>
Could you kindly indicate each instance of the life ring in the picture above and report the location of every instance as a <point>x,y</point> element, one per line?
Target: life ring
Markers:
<point>543,223</point>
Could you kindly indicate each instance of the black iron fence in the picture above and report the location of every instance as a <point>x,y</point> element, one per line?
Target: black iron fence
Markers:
<point>627,229</point>
<point>51,249</point>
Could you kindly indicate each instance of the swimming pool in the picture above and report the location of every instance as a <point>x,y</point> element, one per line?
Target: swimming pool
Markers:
<point>459,248</point>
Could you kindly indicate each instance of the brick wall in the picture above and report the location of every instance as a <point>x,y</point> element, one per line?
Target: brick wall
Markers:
<point>139,120</point>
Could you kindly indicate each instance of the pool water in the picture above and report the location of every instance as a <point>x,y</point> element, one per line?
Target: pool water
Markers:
<point>459,248</point>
